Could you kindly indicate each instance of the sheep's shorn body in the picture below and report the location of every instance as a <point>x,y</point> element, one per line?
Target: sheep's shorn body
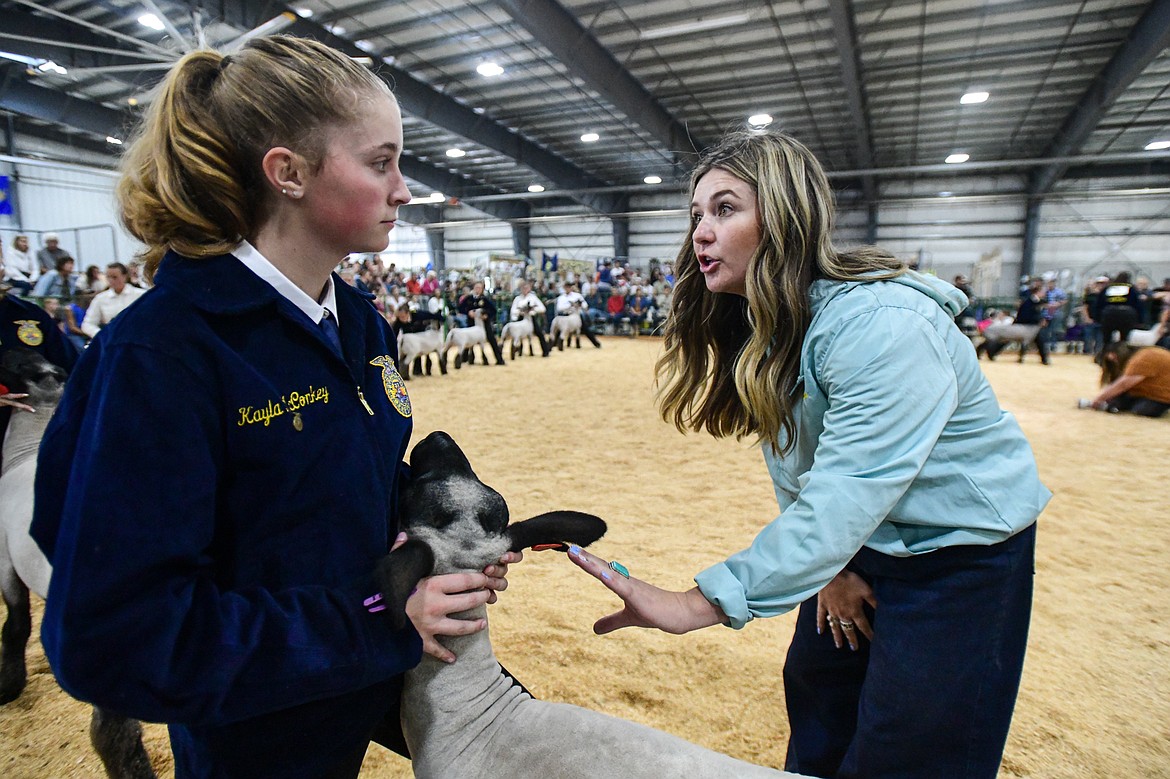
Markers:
<point>414,345</point>
<point>469,719</point>
<point>463,339</point>
<point>116,739</point>
<point>566,328</point>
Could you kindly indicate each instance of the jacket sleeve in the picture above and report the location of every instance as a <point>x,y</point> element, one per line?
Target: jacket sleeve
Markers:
<point>891,388</point>
<point>136,619</point>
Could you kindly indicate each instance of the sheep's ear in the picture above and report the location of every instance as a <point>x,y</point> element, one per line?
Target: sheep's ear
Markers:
<point>556,527</point>
<point>398,574</point>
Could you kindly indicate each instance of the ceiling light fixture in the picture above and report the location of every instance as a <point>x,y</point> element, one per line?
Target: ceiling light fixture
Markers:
<point>456,153</point>
<point>760,120</point>
<point>590,137</point>
<point>304,13</point>
<point>653,179</point>
<point>132,101</point>
<point>699,25</point>
<point>489,69</point>
<point>48,66</point>
<point>151,21</point>
<point>971,98</point>
<point>535,188</point>
<point>956,158</point>
<point>115,141</point>
<point>1157,145</point>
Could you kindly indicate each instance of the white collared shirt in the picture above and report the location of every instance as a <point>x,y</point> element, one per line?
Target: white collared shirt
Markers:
<point>106,305</point>
<point>256,262</point>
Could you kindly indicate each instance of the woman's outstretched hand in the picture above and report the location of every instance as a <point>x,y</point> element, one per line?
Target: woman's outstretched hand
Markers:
<point>647,606</point>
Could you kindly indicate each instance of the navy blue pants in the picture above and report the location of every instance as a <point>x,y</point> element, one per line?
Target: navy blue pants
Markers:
<point>932,696</point>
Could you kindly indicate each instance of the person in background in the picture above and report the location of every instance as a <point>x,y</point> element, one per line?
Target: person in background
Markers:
<point>113,301</point>
<point>1030,312</point>
<point>21,269</point>
<point>476,300</point>
<point>93,281</point>
<point>50,253</point>
<point>1119,307</point>
<point>1054,300</point>
<point>898,537</point>
<point>1134,380</point>
<point>1090,326</point>
<point>529,301</point>
<point>62,283</point>
<point>236,596</point>
<point>568,301</point>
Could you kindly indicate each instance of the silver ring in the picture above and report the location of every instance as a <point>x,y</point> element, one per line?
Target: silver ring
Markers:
<point>831,619</point>
<point>847,626</point>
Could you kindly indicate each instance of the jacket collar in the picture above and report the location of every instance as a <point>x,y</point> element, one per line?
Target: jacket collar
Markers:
<point>223,285</point>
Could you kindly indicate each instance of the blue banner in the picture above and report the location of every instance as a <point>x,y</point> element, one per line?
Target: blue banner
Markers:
<point>548,262</point>
<point>5,196</point>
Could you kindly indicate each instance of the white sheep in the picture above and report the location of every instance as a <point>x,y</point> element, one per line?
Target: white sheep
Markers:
<point>468,719</point>
<point>116,739</point>
<point>518,332</point>
<point>422,344</point>
<point>566,327</point>
<point>462,339</point>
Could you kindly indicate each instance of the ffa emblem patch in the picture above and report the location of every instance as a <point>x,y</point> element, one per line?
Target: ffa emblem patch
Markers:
<point>393,384</point>
<point>29,332</point>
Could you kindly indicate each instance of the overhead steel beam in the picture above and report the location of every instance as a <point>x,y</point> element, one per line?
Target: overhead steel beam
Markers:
<point>845,36</point>
<point>50,105</point>
<point>454,186</point>
<point>1145,41</point>
<point>51,39</point>
<point>559,31</point>
<point>424,101</point>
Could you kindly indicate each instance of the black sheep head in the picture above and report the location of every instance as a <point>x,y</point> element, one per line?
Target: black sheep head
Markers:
<point>456,522</point>
<point>24,370</point>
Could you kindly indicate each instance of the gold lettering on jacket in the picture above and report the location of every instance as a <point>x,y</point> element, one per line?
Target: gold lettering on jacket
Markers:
<point>293,401</point>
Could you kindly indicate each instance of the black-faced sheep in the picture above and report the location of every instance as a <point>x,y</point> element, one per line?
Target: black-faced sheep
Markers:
<point>116,739</point>
<point>468,719</point>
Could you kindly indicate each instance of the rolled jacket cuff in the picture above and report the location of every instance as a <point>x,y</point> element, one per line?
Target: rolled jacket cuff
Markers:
<point>720,586</point>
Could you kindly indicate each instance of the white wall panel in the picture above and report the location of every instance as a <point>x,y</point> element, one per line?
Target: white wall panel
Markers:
<point>76,203</point>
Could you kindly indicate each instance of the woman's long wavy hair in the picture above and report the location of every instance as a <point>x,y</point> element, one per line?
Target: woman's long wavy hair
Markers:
<point>192,178</point>
<point>731,364</point>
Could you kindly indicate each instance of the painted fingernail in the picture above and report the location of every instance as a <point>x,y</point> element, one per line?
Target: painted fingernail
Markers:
<point>818,630</point>
<point>574,550</point>
<point>401,537</point>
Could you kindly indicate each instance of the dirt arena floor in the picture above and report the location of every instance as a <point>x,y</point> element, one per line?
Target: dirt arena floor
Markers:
<point>579,430</point>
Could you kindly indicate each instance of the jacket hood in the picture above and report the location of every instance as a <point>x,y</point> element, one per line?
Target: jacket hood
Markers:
<point>945,295</point>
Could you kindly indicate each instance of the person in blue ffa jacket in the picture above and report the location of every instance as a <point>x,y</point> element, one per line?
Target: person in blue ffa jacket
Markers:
<point>231,593</point>
<point>908,498</point>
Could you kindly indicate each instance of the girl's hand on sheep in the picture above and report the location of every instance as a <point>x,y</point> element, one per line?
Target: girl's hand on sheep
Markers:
<point>647,606</point>
<point>499,573</point>
<point>436,598</point>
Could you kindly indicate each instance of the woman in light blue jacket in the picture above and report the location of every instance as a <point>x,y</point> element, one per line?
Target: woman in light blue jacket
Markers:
<point>908,497</point>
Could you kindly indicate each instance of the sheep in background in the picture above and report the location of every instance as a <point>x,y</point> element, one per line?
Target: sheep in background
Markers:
<point>411,346</point>
<point>468,719</point>
<point>519,331</point>
<point>464,339</point>
<point>567,327</point>
<point>116,739</point>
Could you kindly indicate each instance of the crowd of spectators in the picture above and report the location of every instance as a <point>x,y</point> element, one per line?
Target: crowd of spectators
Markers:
<point>616,298</point>
<point>619,298</point>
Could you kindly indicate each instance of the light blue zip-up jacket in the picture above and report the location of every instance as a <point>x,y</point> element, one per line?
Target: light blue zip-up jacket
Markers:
<point>901,446</point>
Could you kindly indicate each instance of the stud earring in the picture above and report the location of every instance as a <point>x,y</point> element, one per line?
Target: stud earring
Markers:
<point>283,191</point>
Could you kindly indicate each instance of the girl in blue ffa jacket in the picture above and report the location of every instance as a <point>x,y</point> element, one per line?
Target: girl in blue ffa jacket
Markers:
<point>908,497</point>
<point>221,477</point>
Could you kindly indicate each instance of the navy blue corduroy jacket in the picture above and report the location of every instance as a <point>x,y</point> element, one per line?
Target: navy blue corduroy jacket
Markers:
<point>213,493</point>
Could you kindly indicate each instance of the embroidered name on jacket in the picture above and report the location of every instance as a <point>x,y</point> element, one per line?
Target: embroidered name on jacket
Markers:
<point>293,401</point>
